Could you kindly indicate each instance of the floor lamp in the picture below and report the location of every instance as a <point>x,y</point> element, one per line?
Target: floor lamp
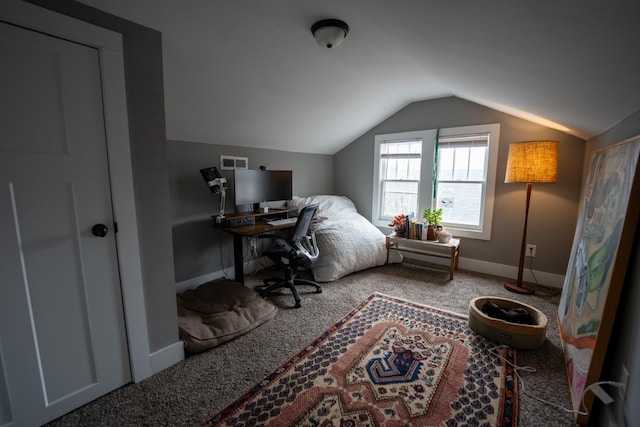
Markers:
<point>529,162</point>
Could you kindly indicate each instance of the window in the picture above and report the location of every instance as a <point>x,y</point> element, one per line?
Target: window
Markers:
<point>462,182</point>
<point>401,173</point>
<point>399,176</point>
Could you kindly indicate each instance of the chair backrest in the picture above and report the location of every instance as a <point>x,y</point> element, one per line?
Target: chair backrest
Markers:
<point>304,221</point>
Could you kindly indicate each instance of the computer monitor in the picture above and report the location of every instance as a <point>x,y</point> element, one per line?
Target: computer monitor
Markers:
<point>251,186</point>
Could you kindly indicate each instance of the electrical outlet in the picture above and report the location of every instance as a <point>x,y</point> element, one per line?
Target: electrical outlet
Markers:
<point>624,379</point>
<point>531,250</point>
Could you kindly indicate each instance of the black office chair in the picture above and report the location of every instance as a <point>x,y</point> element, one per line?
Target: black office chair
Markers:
<point>298,250</point>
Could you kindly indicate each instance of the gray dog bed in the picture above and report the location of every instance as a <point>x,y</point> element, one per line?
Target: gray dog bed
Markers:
<point>219,311</point>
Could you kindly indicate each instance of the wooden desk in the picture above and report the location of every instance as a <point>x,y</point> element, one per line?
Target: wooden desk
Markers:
<point>259,226</point>
<point>434,248</point>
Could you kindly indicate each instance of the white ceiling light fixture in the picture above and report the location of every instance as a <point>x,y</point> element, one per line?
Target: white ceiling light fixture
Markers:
<point>329,33</point>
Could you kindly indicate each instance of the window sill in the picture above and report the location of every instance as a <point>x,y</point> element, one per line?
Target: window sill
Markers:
<point>469,234</point>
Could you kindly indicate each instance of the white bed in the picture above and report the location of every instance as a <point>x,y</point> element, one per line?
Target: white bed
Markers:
<point>348,242</point>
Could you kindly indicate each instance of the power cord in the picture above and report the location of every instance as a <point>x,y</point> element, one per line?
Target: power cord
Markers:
<point>531,269</point>
<point>255,255</point>
<point>517,368</point>
<point>546,293</point>
<point>224,271</point>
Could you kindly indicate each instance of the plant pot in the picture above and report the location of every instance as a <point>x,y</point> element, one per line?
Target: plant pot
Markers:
<point>431,233</point>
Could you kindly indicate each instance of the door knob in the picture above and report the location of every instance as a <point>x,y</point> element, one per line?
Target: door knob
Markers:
<point>99,230</point>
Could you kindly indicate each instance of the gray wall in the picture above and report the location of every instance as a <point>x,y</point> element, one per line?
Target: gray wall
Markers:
<point>145,104</point>
<point>554,207</point>
<point>199,248</point>
<point>624,344</point>
<point>187,217</point>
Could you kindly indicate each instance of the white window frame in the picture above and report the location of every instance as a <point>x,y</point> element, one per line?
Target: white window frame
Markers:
<point>425,186</point>
<point>426,195</point>
<point>486,213</point>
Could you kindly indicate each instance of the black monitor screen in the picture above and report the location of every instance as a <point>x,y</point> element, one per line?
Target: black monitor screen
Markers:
<point>255,186</point>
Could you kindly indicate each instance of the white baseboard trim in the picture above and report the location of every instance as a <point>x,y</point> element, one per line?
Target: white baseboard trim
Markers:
<point>250,267</point>
<point>197,281</point>
<point>166,357</point>
<point>501,270</point>
<point>510,272</point>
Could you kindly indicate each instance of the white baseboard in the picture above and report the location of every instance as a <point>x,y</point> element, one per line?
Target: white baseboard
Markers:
<point>197,281</point>
<point>249,268</point>
<point>166,357</point>
<point>501,270</point>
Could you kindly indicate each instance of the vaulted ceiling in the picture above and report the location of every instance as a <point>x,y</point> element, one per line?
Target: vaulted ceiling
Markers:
<point>249,73</point>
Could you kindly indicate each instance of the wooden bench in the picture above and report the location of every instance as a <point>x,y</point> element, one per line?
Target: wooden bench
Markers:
<point>433,248</point>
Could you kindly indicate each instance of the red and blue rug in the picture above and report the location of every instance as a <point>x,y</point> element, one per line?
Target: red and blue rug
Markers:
<point>389,362</point>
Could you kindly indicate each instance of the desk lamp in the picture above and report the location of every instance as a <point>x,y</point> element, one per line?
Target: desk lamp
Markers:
<point>528,162</point>
<point>218,185</point>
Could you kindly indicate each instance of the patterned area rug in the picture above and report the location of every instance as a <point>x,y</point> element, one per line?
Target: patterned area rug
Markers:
<point>389,362</point>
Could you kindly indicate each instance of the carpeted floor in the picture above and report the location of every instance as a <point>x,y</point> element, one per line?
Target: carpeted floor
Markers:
<point>191,391</point>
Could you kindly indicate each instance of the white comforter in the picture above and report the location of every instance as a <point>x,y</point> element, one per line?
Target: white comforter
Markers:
<point>348,242</point>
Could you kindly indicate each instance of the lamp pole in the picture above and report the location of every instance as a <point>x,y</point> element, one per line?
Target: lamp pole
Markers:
<point>520,287</point>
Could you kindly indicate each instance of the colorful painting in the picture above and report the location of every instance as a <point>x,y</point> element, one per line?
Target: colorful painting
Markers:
<point>597,264</point>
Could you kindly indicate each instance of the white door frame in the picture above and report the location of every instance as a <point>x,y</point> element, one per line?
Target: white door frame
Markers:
<point>109,46</point>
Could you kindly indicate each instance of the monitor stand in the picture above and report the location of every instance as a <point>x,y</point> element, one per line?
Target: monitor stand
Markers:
<point>255,207</point>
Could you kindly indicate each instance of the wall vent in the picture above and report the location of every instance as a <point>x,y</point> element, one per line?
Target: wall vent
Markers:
<point>233,162</point>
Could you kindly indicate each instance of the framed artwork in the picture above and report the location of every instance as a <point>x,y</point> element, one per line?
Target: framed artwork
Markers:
<point>598,264</point>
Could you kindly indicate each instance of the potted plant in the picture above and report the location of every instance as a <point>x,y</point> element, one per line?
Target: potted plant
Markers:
<point>433,217</point>
<point>399,225</point>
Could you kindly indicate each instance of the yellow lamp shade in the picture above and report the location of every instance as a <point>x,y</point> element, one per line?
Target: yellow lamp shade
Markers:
<point>532,161</point>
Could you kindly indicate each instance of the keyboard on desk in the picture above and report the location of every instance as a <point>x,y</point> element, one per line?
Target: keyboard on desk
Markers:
<point>284,221</point>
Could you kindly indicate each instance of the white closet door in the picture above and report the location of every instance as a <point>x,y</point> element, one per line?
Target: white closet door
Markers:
<point>62,335</point>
